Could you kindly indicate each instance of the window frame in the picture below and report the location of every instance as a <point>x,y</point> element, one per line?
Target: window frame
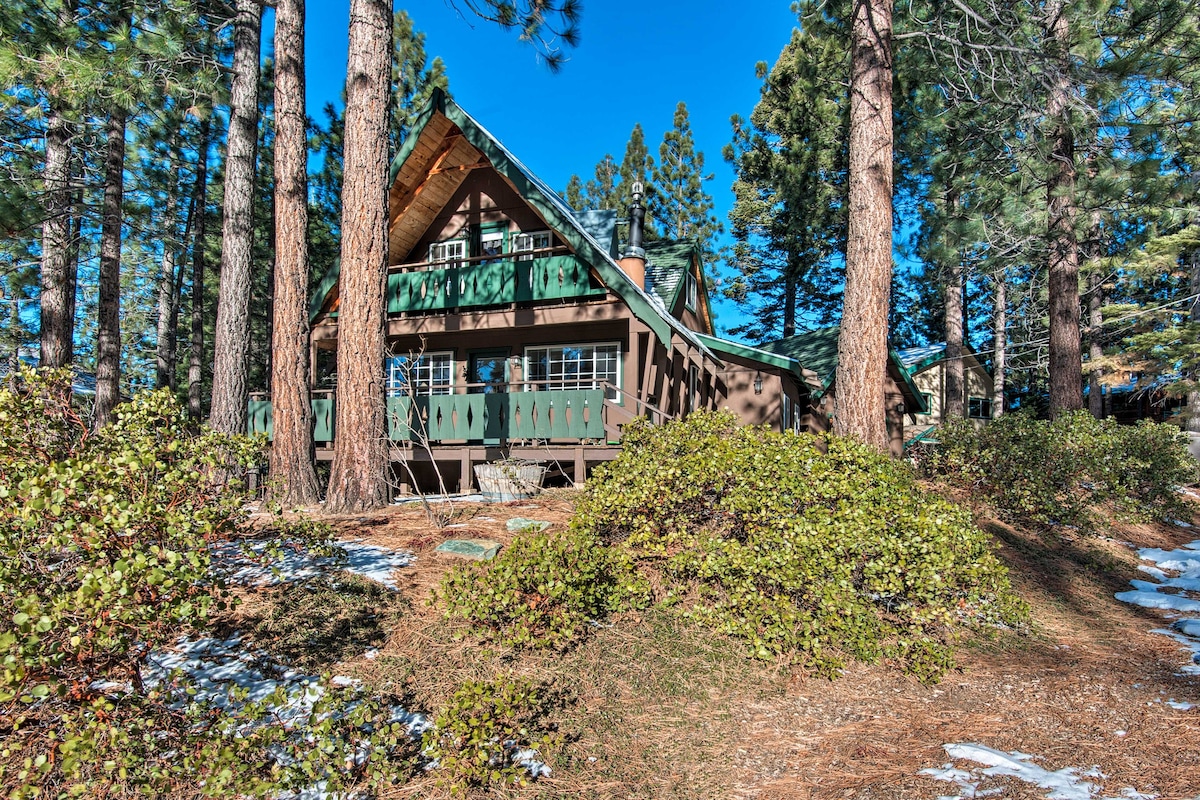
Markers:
<point>552,384</point>
<point>445,261</point>
<point>691,291</point>
<point>525,253</point>
<point>425,387</point>
<point>985,404</point>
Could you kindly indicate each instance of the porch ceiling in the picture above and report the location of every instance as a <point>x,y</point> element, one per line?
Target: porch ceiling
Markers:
<point>439,163</point>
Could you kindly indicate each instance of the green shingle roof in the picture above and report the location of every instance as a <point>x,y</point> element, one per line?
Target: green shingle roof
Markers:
<point>666,264</point>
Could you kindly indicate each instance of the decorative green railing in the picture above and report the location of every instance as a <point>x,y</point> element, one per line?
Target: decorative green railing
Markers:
<point>572,414</point>
<point>487,284</point>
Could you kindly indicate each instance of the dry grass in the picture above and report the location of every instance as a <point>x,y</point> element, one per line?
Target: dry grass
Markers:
<point>661,709</point>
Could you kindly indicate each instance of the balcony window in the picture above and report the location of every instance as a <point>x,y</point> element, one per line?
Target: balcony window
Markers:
<point>426,374</point>
<point>524,242</point>
<point>491,246</point>
<point>574,366</point>
<point>451,253</point>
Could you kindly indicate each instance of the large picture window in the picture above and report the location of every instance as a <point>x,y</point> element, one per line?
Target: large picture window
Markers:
<point>429,373</point>
<point>574,366</point>
<point>979,408</point>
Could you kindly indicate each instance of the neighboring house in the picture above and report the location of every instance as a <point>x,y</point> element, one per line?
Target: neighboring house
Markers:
<point>818,351</point>
<point>83,384</point>
<point>927,366</point>
<point>516,328</point>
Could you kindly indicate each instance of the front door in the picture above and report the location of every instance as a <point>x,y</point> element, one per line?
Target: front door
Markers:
<point>487,374</point>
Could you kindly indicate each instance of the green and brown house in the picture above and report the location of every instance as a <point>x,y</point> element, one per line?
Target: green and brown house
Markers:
<point>516,327</point>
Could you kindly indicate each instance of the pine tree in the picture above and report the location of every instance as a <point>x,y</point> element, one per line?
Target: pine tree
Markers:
<point>678,202</point>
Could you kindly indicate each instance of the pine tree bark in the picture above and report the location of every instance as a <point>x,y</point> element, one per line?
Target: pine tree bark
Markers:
<point>1066,361</point>
<point>57,277</point>
<point>1095,348</point>
<point>108,334</point>
<point>164,344</point>
<point>862,343</point>
<point>999,344</point>
<point>232,336</point>
<point>200,199</point>
<point>1192,421</point>
<point>955,406</point>
<point>293,479</point>
<point>358,479</point>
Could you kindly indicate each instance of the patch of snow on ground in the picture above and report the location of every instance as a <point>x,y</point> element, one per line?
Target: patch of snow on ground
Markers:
<point>1179,593</point>
<point>298,564</point>
<point>1064,784</point>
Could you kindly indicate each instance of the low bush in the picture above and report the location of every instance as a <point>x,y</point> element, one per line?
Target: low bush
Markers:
<point>106,542</point>
<point>765,537</point>
<point>1059,472</point>
<point>491,733</point>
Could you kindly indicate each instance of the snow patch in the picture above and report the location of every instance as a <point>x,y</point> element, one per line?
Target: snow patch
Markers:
<point>1064,784</point>
<point>1176,589</point>
<point>250,564</point>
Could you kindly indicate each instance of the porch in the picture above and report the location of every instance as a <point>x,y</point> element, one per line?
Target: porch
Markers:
<point>569,430</point>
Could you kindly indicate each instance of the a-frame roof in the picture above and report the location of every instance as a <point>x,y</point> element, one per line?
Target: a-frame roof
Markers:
<point>445,144</point>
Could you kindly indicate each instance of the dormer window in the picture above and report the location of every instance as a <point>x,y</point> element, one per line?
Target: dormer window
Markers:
<point>691,292</point>
<point>537,240</point>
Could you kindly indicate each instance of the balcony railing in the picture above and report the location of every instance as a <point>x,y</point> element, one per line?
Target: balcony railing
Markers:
<point>489,281</point>
<point>478,414</point>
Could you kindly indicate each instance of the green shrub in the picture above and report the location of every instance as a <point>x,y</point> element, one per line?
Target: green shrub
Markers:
<point>765,537</point>
<point>1058,472</point>
<point>490,731</point>
<point>541,589</point>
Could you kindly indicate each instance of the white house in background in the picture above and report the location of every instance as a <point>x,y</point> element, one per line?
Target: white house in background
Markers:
<point>927,367</point>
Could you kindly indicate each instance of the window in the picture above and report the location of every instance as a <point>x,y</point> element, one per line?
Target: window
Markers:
<point>693,379</point>
<point>790,416</point>
<point>574,366</point>
<point>538,240</point>
<point>693,291</point>
<point>429,373</point>
<point>979,408</point>
<point>491,246</point>
<point>453,252</point>
<point>927,401</point>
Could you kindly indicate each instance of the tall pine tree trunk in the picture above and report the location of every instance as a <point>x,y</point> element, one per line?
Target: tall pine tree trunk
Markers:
<point>1095,349</point>
<point>358,478</point>
<point>164,345</point>
<point>200,199</point>
<point>57,296</point>
<point>1066,361</point>
<point>232,337</point>
<point>954,342</point>
<point>999,343</point>
<point>862,344</point>
<point>293,479</point>
<point>108,334</point>
<point>1192,421</point>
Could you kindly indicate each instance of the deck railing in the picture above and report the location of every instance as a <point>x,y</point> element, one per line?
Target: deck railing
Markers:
<point>489,281</point>
<point>477,413</point>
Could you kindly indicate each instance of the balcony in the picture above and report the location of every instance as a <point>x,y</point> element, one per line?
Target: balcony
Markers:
<point>550,274</point>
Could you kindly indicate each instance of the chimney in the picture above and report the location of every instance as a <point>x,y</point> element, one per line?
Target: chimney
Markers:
<point>633,260</point>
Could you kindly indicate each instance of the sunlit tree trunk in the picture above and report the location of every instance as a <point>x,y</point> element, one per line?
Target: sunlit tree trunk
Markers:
<point>293,480</point>
<point>999,343</point>
<point>862,344</point>
<point>167,289</point>
<point>232,336</point>
<point>57,296</point>
<point>358,478</point>
<point>200,199</point>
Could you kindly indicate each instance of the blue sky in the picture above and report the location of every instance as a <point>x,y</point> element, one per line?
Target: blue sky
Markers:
<point>635,62</point>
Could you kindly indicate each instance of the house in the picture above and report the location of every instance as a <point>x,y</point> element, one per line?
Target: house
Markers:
<point>517,327</point>
<point>818,351</point>
<point>927,366</point>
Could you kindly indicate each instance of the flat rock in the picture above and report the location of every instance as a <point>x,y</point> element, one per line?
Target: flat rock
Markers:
<point>474,549</point>
<point>523,524</point>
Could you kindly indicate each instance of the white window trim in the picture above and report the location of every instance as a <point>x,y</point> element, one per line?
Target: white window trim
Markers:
<point>443,259</point>
<point>526,372</point>
<point>691,291</point>
<point>442,389</point>
<point>523,242</point>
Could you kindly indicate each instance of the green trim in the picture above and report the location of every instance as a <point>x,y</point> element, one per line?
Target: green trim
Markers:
<point>930,360</point>
<point>754,354</point>
<point>323,289</point>
<point>908,381</point>
<point>437,102</point>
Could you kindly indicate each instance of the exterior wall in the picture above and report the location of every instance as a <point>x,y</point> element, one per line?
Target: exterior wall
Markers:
<point>932,381</point>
